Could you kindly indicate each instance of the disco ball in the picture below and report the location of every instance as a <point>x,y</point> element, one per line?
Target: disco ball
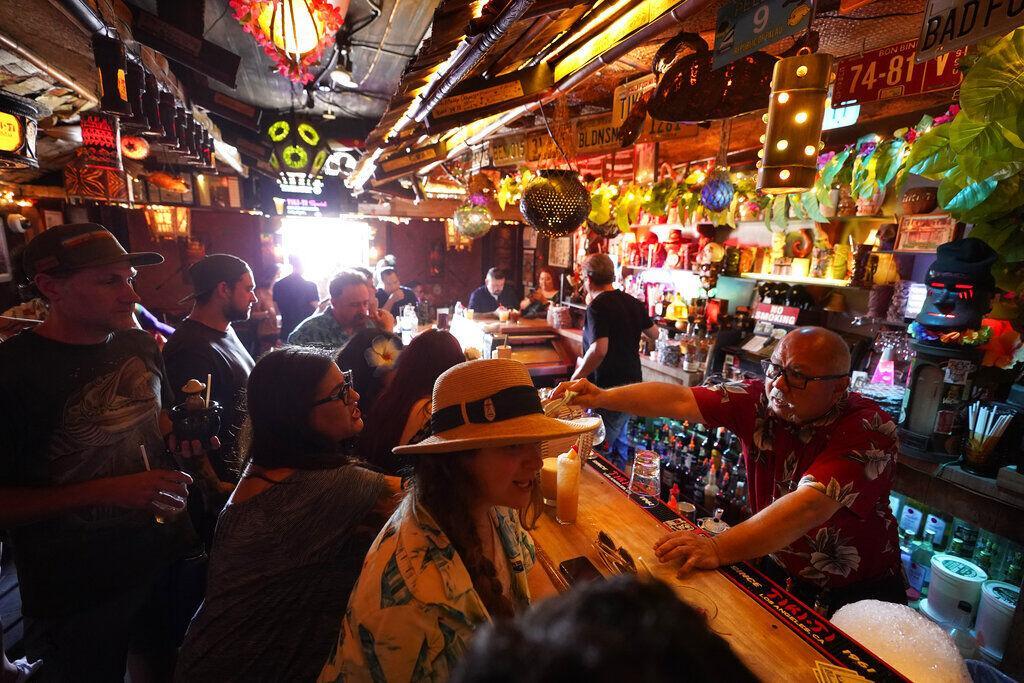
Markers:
<point>472,220</point>
<point>556,203</point>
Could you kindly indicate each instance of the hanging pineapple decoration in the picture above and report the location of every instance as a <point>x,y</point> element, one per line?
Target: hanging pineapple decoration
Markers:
<point>717,193</point>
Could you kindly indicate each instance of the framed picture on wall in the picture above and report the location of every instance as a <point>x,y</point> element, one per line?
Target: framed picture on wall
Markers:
<point>529,237</point>
<point>528,264</point>
<point>52,218</point>
<point>560,251</point>
<point>921,234</point>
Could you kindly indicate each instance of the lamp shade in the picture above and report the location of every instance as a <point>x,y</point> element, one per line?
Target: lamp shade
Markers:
<point>472,220</point>
<point>796,112</point>
<point>18,117</point>
<point>293,33</point>
<point>556,203</point>
<point>135,86</point>
<point>298,145</point>
<point>112,65</point>
<point>168,119</point>
<point>151,106</point>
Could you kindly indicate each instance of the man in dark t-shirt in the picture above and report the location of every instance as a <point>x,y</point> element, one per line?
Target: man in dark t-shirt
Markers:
<point>82,401</point>
<point>493,293</point>
<point>205,345</point>
<point>391,295</point>
<point>296,298</point>
<point>611,337</point>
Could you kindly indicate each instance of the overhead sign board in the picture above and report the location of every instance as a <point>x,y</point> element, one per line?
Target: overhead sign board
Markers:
<point>478,97</point>
<point>628,94</point>
<point>746,26</point>
<point>415,158</point>
<point>952,24</point>
<point>200,55</point>
<point>596,135</point>
<point>891,71</point>
<point>540,146</point>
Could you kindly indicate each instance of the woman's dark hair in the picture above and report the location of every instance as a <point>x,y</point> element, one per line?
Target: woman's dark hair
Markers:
<point>419,366</point>
<point>442,485</point>
<point>367,379</point>
<point>592,634</point>
<point>545,269</point>
<point>279,397</point>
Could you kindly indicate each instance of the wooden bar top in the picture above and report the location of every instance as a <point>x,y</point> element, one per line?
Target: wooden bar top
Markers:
<point>769,647</point>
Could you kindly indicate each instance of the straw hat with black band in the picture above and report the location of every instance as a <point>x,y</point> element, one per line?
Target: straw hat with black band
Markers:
<point>490,403</point>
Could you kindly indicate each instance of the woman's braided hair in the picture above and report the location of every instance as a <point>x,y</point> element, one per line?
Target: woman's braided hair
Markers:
<point>443,485</point>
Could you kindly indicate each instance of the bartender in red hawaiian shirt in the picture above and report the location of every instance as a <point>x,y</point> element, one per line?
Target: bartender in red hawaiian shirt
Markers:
<point>819,463</point>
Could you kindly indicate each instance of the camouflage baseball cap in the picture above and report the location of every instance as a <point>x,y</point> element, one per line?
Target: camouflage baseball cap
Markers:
<point>66,248</point>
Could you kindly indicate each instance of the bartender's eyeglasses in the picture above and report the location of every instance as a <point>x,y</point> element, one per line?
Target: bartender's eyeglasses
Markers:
<point>794,378</point>
<point>614,557</point>
<point>339,394</point>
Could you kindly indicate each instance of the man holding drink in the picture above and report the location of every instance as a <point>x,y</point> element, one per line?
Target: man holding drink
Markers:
<point>83,391</point>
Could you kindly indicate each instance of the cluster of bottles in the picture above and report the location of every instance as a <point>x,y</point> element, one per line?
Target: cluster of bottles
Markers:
<point>923,534</point>
<point>689,349</point>
<point>697,465</point>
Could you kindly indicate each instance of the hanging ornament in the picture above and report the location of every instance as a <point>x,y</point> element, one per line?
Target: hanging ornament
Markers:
<point>293,33</point>
<point>718,191</point>
<point>472,219</point>
<point>609,229</point>
<point>556,203</point>
<point>134,147</point>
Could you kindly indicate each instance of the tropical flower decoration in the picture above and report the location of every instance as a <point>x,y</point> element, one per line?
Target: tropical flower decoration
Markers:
<point>293,33</point>
<point>382,355</point>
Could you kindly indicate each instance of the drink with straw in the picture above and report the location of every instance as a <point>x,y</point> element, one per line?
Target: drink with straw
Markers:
<point>171,510</point>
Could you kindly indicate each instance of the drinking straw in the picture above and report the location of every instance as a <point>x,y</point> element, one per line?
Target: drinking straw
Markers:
<point>209,387</point>
<point>145,458</point>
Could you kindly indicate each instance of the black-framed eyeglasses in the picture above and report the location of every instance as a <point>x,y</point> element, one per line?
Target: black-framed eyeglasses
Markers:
<point>339,394</point>
<point>794,378</point>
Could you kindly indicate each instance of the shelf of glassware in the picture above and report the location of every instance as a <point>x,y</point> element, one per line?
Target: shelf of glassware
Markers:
<point>796,279</point>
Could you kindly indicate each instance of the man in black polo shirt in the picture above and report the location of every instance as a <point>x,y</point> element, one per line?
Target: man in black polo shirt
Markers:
<point>493,293</point>
<point>611,337</point>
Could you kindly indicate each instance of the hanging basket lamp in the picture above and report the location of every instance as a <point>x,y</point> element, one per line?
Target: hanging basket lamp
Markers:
<point>293,33</point>
<point>473,219</point>
<point>556,203</point>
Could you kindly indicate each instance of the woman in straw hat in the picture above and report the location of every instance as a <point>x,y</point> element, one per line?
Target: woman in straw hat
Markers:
<point>454,555</point>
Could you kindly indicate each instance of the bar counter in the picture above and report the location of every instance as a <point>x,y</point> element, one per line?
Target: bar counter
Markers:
<point>777,637</point>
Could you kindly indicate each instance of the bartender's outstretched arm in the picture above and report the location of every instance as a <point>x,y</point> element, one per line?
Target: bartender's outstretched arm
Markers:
<point>771,529</point>
<point>647,399</point>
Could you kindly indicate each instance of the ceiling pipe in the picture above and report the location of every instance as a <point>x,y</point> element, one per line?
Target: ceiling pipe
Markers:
<point>477,49</point>
<point>59,76</point>
<point>84,15</point>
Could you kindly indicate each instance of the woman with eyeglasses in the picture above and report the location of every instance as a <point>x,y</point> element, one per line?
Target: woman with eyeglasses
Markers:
<point>291,540</point>
<point>819,464</point>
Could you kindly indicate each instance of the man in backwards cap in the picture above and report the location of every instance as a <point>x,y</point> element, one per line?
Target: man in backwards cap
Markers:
<point>205,344</point>
<point>83,394</point>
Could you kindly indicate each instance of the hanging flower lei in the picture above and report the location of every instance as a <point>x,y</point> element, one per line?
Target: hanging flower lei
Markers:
<point>247,13</point>
<point>956,338</point>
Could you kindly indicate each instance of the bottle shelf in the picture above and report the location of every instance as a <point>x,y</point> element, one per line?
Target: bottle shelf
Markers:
<point>797,280</point>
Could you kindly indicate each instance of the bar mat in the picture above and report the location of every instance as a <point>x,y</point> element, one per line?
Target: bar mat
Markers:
<point>814,629</point>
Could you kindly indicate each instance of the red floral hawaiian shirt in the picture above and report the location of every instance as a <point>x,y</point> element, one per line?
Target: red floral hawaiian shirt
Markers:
<point>848,454</point>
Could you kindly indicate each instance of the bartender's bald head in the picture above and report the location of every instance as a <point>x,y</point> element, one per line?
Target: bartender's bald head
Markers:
<point>818,360</point>
<point>821,348</point>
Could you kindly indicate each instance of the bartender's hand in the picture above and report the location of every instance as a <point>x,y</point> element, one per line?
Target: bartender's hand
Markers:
<point>587,395</point>
<point>695,551</point>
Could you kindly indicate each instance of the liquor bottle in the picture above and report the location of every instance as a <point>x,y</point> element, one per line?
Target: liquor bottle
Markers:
<point>921,564</point>
<point>956,547</point>
<point>711,488</point>
<point>906,547</point>
<point>1015,569</point>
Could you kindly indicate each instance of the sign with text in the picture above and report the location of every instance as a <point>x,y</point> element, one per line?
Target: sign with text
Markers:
<point>540,146</point>
<point>891,71</point>
<point>782,315</point>
<point>596,135</point>
<point>628,94</point>
<point>508,151</point>
<point>414,158</point>
<point>746,26</point>
<point>200,55</point>
<point>952,24</point>
<point>478,97</point>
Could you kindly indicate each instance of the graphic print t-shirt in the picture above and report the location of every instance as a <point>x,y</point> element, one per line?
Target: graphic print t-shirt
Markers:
<point>73,413</point>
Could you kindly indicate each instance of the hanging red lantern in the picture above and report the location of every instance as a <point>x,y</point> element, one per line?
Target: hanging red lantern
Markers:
<point>293,33</point>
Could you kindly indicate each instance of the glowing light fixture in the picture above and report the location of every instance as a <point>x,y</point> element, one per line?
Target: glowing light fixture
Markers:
<point>796,111</point>
<point>293,33</point>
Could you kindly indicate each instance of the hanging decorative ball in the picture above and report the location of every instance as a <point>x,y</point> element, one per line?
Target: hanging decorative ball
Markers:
<point>135,147</point>
<point>472,219</point>
<point>556,203</point>
<point>718,191</point>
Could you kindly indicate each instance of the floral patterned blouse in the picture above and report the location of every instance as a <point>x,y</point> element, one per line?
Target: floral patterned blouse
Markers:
<point>414,608</point>
<point>847,454</point>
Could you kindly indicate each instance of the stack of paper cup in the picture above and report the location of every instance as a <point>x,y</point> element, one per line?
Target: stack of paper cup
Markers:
<point>998,601</point>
